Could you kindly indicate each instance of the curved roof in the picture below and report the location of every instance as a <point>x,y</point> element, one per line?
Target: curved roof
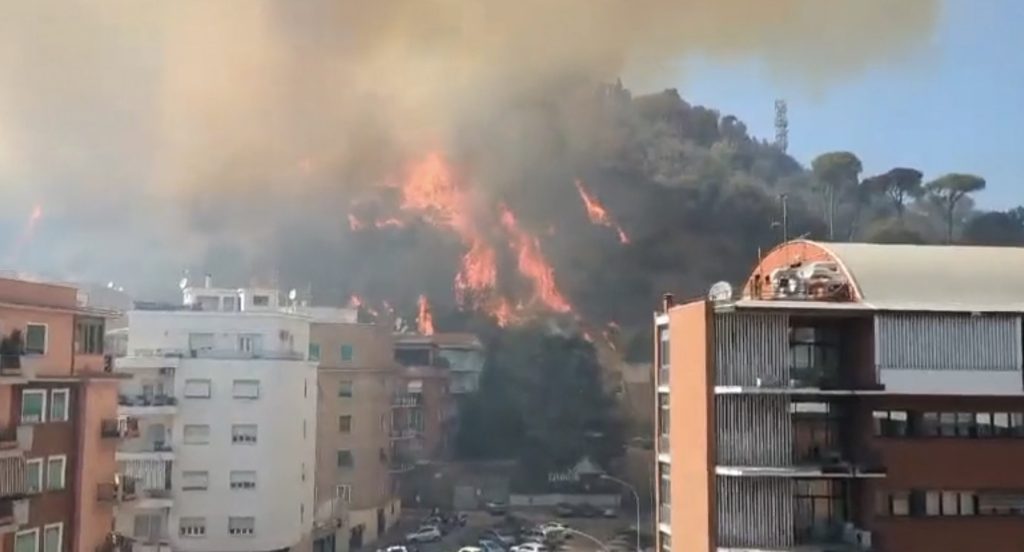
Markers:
<point>934,277</point>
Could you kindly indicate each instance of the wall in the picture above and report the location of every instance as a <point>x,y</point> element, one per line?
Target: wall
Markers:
<point>283,457</point>
<point>371,372</point>
<point>169,330</point>
<point>943,463</point>
<point>59,336</point>
<point>96,462</point>
<point>692,479</point>
<point>37,293</point>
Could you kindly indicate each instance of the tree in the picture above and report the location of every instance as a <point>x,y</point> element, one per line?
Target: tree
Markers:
<point>899,184</point>
<point>835,173</point>
<point>542,401</point>
<point>948,190</point>
<point>996,228</point>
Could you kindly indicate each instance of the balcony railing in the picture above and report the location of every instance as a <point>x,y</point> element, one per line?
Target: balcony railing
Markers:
<point>663,444</point>
<point>397,434</point>
<point>146,400</point>
<point>836,534</point>
<point>9,437</point>
<point>123,428</point>
<point>122,490</point>
<point>665,514</point>
<point>663,375</point>
<point>407,401</point>
<point>833,460</point>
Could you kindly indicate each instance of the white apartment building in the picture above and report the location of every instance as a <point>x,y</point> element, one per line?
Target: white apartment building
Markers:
<point>225,401</point>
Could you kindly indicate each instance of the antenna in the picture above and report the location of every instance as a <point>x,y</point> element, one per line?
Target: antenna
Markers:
<point>183,283</point>
<point>781,125</point>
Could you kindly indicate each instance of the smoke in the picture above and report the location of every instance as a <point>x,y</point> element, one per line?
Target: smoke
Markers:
<point>162,134</point>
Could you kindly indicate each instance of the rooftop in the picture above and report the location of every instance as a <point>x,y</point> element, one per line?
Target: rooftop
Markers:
<point>889,277</point>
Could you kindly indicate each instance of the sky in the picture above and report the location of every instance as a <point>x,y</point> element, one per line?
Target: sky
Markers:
<point>953,104</point>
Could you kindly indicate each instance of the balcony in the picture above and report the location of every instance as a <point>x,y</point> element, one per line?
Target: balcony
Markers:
<point>836,536</point>
<point>122,490</point>
<point>147,405</point>
<point>153,450</point>
<point>115,543</point>
<point>402,434</point>
<point>663,444</point>
<point>410,400</point>
<point>13,515</point>
<point>663,376</point>
<point>119,428</point>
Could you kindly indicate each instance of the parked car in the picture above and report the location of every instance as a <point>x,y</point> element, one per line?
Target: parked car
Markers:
<point>565,510</point>
<point>396,548</point>
<point>532,535</point>
<point>489,545</point>
<point>461,519</point>
<point>496,507</point>
<point>588,511</point>
<point>502,536</point>
<point>530,547</point>
<point>553,530</point>
<point>471,549</point>
<point>610,513</point>
<point>424,534</point>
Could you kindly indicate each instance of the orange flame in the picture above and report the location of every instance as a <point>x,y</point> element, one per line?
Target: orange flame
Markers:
<point>354,224</point>
<point>533,265</point>
<point>598,214</point>
<point>354,301</point>
<point>425,321</point>
<point>478,272</point>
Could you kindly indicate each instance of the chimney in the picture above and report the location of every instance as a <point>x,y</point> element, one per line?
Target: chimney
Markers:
<point>667,301</point>
<point>208,281</point>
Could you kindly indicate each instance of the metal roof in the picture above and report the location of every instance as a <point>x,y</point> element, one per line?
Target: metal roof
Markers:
<point>935,277</point>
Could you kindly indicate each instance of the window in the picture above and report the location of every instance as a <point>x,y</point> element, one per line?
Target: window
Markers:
<point>35,339</point>
<point>53,534</point>
<point>250,343</point>
<point>34,475</point>
<point>314,351</point>
<point>899,503</point>
<point>230,304</point>
<point>929,424</point>
<point>345,459</point>
<point>200,342</point>
<point>261,300</point>
<point>243,433</point>
<point>1017,424</point>
<point>241,525</point>
<point>147,527</point>
<point>26,541</point>
<point>346,353</point>
<point>192,527</point>
<point>947,424</point>
<point>1000,503</point>
<point>33,406</point>
<point>967,503</point>
<point>932,503</point>
<point>89,336</point>
<point>344,493</point>
<point>345,388</point>
<point>663,343</point>
<point>345,424</point>
<point>965,424</point>
<point>55,472</point>
<point>890,423</point>
<point>983,424</point>
<point>243,480</point>
<point>1001,424</point>
<point>196,434</point>
<point>195,480</point>
<point>245,389</point>
<point>59,405</point>
<point>197,388</point>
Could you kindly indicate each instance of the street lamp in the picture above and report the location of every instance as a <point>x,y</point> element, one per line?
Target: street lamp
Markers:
<point>636,499</point>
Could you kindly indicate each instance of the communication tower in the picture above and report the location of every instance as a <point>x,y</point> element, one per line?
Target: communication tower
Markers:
<point>781,125</point>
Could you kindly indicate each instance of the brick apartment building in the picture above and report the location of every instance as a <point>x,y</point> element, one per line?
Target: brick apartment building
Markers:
<point>58,423</point>
<point>856,397</point>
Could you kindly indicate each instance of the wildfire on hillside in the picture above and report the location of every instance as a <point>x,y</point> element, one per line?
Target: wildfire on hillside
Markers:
<point>532,264</point>
<point>598,214</point>
<point>425,319</point>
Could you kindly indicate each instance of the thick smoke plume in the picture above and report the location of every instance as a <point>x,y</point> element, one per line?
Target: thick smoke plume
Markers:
<point>238,135</point>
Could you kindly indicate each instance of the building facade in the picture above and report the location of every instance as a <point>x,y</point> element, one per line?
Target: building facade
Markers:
<point>355,463</point>
<point>856,397</point>
<point>58,422</point>
<point>225,398</point>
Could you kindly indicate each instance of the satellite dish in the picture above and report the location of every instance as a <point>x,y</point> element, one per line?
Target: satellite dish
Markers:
<point>183,283</point>
<point>292,294</point>
<point>721,291</point>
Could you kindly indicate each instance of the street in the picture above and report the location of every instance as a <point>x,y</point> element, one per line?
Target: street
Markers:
<point>603,530</point>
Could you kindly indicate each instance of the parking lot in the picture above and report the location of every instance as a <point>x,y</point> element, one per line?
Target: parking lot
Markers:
<point>604,530</point>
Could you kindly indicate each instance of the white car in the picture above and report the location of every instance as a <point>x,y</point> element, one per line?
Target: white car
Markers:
<point>553,529</point>
<point>529,547</point>
<point>424,534</point>
<point>471,549</point>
